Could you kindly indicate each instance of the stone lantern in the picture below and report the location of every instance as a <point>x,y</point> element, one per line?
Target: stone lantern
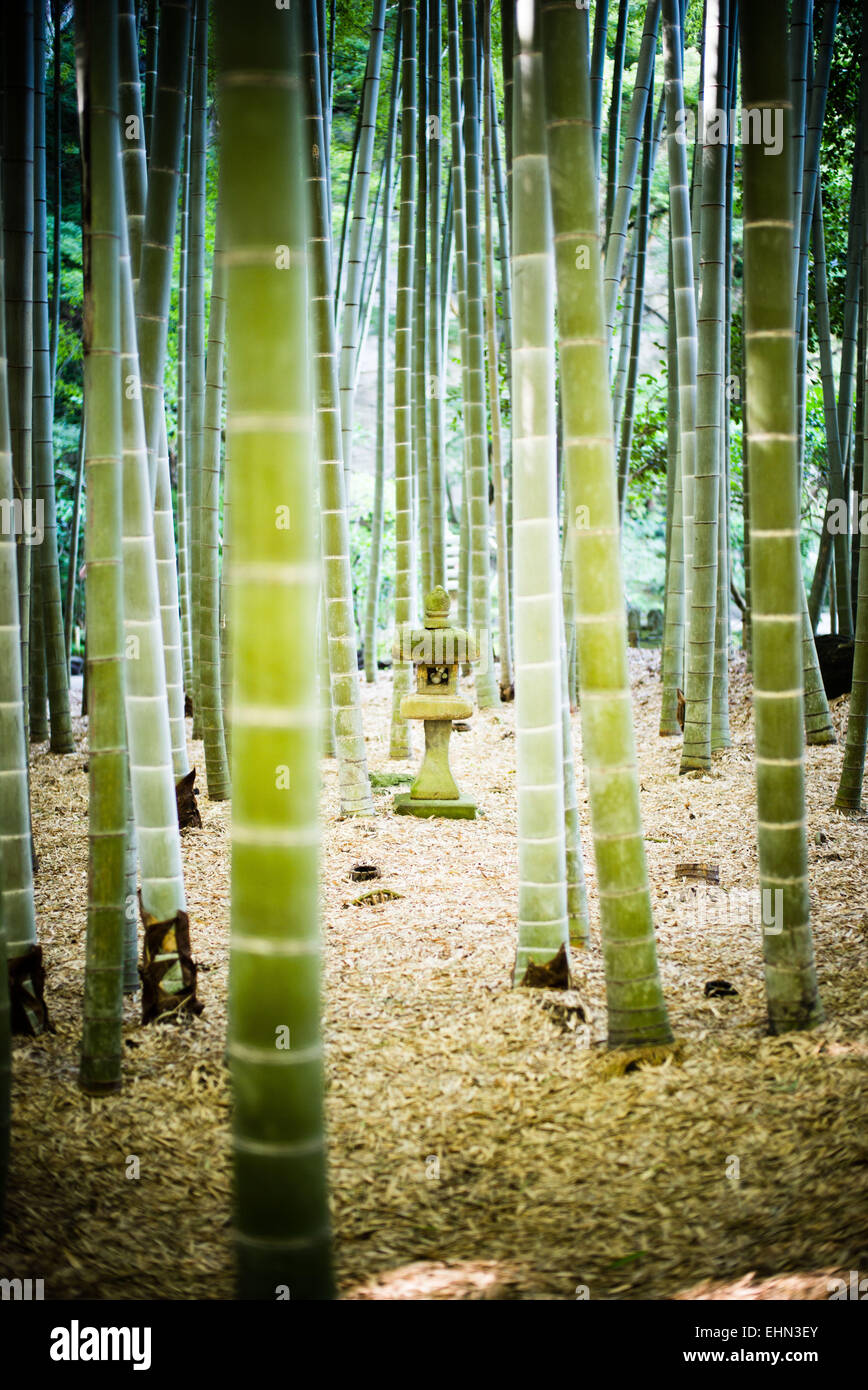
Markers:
<point>436,651</point>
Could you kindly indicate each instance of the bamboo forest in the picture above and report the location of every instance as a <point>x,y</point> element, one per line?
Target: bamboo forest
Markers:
<point>434,661</point>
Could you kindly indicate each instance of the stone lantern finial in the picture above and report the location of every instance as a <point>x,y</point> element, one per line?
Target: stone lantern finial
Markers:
<point>437,605</point>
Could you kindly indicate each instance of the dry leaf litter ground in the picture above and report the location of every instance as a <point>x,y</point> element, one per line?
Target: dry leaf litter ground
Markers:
<point>482,1141</point>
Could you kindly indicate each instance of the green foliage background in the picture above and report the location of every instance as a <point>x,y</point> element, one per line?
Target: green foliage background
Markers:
<point>644,534</point>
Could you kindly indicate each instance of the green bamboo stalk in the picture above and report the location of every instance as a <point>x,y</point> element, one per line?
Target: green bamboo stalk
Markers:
<point>487,693</point>
<point>505,306</point>
<point>282,1238</point>
<point>696,164</point>
<point>355,787</point>
<point>672,654</point>
<point>833,607</point>
<point>460,239</point>
<point>182,441</point>
<point>327,731</point>
<point>619,393</point>
<point>813,138</point>
<point>210,697</point>
<point>5,1065</point>
<point>577,892</point>
<point>72,565</point>
<point>167,577</point>
<point>504,635</point>
<point>616,240</point>
<point>152,29</point>
<point>136,190</point>
<point>819,728</point>
<point>17,913</point>
<point>719,688</point>
<point>543,929</point>
<point>499,179</point>
<point>56,10</point>
<point>131,983</point>
<point>347,217</point>
<point>747,628</point>
<point>568,596</point>
<point>598,67</point>
<point>653,129</point>
<point>195,343</point>
<point>18,137</point>
<point>720,731</point>
<point>367,308</point>
<point>331,56</point>
<point>325,100</point>
<point>158,237</point>
<point>681,241</point>
<point>699,672</point>
<point>134,161</point>
<point>349,343</point>
<point>801,64</point>
<point>46,556</point>
<point>502,214</point>
<point>791,987</point>
<point>96,54</point>
<point>436,382</point>
<point>800,32</point>
<point>400,744</point>
<point>464,559</point>
<point>858,420</point>
<point>370,268</point>
<point>614,141</point>
<point>837,501</point>
<point>507,55</point>
<point>421,457</point>
<point>373,594</point>
<point>849,793</point>
<point>850,335</point>
<point>447,268</point>
<point>637,1012</point>
<point>226,607</point>
<point>39,727</point>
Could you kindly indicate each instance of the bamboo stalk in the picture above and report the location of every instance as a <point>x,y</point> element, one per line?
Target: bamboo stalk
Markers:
<point>637,1012</point>
<point>373,594</point>
<point>400,744</point>
<point>436,382</point>
<point>282,1238</point>
<point>355,788</point>
<point>849,793</point>
<point>614,141</point>
<point>487,693</point>
<point>18,137</point>
<point>616,239</point>
<point>96,55</point>
<point>497,463</point>
<point>17,913</point>
<point>778,594</point>
<point>210,694</point>
<point>195,342</point>
<point>158,237</point>
<point>699,672</point>
<point>421,389</point>
<point>46,557</point>
<point>543,929</point>
<point>349,343</point>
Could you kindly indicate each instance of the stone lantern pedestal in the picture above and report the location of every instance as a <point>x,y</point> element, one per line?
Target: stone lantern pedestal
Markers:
<point>436,651</point>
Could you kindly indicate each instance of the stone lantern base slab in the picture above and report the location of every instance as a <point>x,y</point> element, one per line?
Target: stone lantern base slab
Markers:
<point>456,808</point>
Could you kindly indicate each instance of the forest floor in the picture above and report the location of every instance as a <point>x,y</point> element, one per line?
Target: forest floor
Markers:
<point>483,1143</point>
